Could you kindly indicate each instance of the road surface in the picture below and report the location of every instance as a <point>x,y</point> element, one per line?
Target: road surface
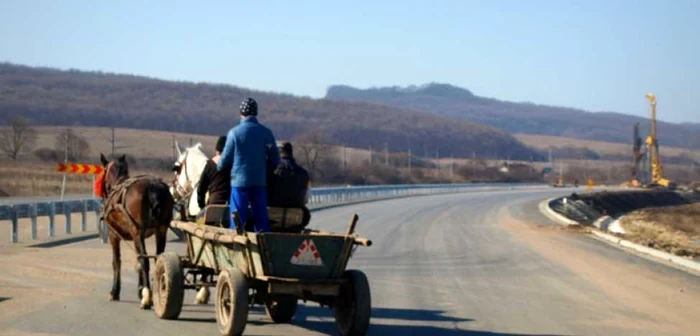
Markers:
<point>484,263</point>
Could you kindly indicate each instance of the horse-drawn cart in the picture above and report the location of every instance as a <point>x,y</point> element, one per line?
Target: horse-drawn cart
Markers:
<point>274,269</point>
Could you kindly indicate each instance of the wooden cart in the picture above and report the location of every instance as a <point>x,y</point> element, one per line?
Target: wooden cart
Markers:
<point>272,269</point>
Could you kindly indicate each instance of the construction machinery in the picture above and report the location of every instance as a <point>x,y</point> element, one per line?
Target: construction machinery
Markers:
<point>637,156</point>
<point>657,177</point>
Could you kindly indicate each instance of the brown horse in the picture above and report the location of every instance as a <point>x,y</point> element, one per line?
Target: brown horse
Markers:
<point>134,208</point>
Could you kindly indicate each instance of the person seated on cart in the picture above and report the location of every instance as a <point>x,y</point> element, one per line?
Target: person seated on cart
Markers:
<point>213,182</point>
<point>250,148</point>
<point>289,183</point>
<point>288,188</point>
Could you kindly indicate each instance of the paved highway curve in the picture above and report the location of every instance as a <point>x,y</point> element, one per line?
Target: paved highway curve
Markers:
<point>482,263</point>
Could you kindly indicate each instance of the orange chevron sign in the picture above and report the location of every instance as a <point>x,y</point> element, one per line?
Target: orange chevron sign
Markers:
<point>79,168</point>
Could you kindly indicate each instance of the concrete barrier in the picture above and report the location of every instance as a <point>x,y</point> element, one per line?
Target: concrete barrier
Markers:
<point>607,222</point>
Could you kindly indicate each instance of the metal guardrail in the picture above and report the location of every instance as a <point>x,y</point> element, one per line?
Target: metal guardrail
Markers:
<point>319,196</point>
<point>50,209</point>
<point>576,210</point>
<point>357,193</point>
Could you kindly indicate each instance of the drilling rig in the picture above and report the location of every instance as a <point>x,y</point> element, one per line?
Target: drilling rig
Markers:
<point>637,156</point>
<point>657,177</point>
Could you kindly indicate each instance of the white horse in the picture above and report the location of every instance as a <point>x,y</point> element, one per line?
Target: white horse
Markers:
<point>189,167</point>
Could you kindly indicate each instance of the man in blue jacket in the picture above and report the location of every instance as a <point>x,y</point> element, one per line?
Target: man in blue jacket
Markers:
<point>250,149</point>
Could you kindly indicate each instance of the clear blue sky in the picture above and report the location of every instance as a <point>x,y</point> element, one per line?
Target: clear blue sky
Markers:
<point>596,55</point>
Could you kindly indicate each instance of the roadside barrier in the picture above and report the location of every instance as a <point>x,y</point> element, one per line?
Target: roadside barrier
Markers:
<point>319,196</point>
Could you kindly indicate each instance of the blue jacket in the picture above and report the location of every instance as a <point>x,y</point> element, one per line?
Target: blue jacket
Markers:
<point>250,149</point>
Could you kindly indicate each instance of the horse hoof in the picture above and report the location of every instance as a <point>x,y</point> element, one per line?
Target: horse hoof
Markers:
<point>202,297</point>
<point>146,301</point>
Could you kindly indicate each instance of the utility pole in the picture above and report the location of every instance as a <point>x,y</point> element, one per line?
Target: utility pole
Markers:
<point>113,141</point>
<point>437,163</point>
<point>452,166</point>
<point>345,166</point>
<point>370,156</point>
<point>561,169</point>
<point>174,149</point>
<point>190,141</point>
<point>65,160</point>
<point>386,154</point>
<point>409,162</point>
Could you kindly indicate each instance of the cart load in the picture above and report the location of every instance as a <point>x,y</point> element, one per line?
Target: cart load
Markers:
<point>274,269</point>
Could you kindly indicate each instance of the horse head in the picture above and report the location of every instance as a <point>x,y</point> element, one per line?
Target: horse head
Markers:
<point>188,169</point>
<point>114,172</point>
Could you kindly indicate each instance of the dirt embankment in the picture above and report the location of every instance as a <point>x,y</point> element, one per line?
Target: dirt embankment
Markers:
<point>618,203</point>
<point>675,229</point>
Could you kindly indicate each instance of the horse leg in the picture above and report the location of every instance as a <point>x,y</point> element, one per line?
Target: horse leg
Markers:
<point>161,239</point>
<point>116,266</point>
<point>144,281</point>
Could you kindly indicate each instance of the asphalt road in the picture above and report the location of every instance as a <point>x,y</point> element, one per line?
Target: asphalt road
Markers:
<point>484,263</point>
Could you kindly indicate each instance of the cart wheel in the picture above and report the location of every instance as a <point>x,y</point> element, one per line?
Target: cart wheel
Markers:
<point>281,309</point>
<point>231,302</point>
<point>353,307</point>
<point>169,286</point>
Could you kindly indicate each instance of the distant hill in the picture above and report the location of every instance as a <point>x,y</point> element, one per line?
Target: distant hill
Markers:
<point>527,118</point>
<point>63,98</point>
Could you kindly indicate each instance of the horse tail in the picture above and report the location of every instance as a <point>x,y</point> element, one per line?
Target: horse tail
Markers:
<point>158,204</point>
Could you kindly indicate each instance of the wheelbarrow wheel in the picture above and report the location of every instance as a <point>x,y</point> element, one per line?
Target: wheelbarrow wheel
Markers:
<point>353,307</point>
<point>281,309</point>
<point>231,302</point>
<point>169,286</point>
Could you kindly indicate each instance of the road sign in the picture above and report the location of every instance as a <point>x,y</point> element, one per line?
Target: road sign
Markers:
<point>307,255</point>
<point>79,168</point>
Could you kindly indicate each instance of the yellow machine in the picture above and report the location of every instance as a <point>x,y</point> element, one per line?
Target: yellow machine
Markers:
<point>590,184</point>
<point>657,177</point>
<point>637,156</point>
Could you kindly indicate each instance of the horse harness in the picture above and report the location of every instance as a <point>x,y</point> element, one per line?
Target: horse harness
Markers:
<point>116,199</point>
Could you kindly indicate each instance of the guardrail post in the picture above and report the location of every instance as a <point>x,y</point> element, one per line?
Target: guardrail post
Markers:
<point>52,217</point>
<point>97,216</point>
<point>104,234</point>
<point>83,216</point>
<point>15,225</point>
<point>67,213</point>
<point>32,216</point>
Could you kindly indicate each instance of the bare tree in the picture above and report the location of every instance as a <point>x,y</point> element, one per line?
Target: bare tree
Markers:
<point>17,137</point>
<point>314,149</point>
<point>74,146</point>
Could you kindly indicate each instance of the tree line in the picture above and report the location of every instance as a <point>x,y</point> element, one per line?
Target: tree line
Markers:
<point>75,98</point>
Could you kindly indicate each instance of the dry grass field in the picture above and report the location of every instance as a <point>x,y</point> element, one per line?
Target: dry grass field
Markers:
<point>543,142</point>
<point>133,142</point>
<point>32,177</point>
<point>674,229</point>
